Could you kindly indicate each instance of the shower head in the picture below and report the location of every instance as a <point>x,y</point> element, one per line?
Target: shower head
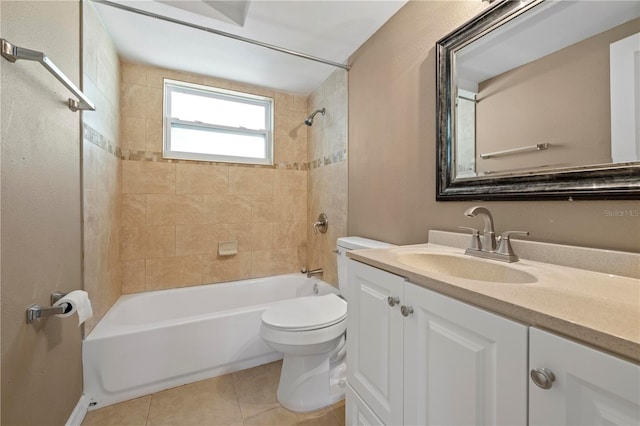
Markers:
<point>309,120</point>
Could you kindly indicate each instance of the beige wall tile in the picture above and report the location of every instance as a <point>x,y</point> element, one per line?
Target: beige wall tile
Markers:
<point>226,268</point>
<point>227,209</point>
<point>300,207</point>
<point>153,135</point>
<point>202,179</point>
<point>290,182</point>
<point>289,234</point>
<point>133,276</point>
<point>199,239</point>
<point>250,180</point>
<point>133,242</point>
<point>134,209</point>
<point>189,209</point>
<point>278,208</point>
<point>173,209</point>
<point>171,272</point>
<point>146,177</point>
<point>160,209</point>
<point>155,77</point>
<point>252,236</point>
<point>140,101</point>
<point>160,241</point>
<point>96,212</point>
<point>134,73</point>
<point>274,262</point>
<point>132,133</point>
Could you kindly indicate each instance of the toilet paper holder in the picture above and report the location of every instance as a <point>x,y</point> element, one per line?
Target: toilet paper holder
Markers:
<point>35,311</point>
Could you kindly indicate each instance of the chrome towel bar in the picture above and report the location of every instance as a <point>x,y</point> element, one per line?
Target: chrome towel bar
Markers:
<point>12,53</point>
<point>538,147</point>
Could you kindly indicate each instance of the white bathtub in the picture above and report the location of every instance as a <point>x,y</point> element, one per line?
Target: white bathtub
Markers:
<point>152,341</point>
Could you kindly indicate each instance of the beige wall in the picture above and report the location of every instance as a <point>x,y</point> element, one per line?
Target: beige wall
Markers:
<point>175,213</point>
<point>41,215</point>
<point>392,148</point>
<point>101,167</point>
<point>328,172</point>
<point>562,99</point>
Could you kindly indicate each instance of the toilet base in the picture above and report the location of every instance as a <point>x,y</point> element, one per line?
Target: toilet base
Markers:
<point>312,382</point>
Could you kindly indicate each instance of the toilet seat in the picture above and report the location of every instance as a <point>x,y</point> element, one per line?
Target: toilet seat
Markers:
<point>306,313</point>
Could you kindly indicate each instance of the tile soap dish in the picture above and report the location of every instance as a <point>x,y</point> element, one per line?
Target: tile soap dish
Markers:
<point>227,248</point>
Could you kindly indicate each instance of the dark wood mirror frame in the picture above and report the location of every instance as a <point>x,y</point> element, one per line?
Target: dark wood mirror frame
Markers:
<point>619,181</point>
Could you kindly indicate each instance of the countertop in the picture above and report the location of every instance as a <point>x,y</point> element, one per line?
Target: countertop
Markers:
<point>599,309</point>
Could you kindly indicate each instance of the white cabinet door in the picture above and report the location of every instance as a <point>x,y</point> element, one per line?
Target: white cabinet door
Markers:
<point>590,387</point>
<point>357,412</point>
<point>374,340</point>
<point>462,365</point>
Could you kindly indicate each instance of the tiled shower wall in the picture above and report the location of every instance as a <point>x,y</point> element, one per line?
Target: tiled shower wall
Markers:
<point>100,167</point>
<point>328,172</point>
<point>174,213</point>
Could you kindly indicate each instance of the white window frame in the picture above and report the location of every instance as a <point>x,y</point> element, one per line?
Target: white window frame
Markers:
<point>171,86</point>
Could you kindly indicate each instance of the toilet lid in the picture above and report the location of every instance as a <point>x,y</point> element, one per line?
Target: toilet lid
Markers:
<point>306,313</point>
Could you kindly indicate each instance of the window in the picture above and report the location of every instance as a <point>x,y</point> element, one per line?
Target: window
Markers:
<point>210,124</point>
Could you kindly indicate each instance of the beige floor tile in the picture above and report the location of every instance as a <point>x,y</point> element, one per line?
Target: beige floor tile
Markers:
<point>256,388</point>
<point>129,413</point>
<point>274,417</point>
<point>323,417</point>
<point>338,410</point>
<point>208,402</point>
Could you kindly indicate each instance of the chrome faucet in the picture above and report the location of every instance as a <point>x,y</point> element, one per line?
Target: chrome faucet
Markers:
<point>487,247</point>
<point>489,233</point>
<point>314,272</point>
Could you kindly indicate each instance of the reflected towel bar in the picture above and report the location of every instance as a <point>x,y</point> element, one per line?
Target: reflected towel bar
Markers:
<point>538,147</point>
<point>12,53</point>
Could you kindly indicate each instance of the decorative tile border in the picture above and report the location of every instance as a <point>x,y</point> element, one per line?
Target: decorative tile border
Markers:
<point>91,135</point>
<point>327,160</point>
<point>96,138</point>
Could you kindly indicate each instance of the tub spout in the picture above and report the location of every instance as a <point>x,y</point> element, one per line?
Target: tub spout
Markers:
<point>314,272</point>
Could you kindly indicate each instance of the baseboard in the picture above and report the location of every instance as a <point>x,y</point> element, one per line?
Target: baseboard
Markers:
<point>77,416</point>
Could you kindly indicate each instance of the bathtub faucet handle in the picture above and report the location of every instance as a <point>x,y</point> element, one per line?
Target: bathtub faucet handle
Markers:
<point>314,272</point>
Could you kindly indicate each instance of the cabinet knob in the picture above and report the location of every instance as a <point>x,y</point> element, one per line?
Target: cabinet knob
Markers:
<point>393,301</point>
<point>542,377</point>
<point>406,310</point>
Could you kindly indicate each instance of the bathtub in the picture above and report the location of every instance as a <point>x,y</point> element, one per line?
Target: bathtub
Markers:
<point>158,340</point>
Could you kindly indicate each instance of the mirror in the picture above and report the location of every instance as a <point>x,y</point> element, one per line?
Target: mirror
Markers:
<point>541,100</point>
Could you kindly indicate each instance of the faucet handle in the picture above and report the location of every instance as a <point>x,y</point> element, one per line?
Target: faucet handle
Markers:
<point>507,234</point>
<point>505,243</point>
<point>475,243</point>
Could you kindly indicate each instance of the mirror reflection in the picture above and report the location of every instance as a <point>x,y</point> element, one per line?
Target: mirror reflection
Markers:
<point>556,87</point>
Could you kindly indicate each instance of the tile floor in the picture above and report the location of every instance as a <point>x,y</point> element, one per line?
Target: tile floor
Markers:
<point>243,398</point>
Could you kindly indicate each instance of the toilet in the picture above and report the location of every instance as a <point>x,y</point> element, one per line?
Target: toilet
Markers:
<point>310,332</point>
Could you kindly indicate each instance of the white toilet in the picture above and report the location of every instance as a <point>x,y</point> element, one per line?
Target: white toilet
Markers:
<point>310,332</point>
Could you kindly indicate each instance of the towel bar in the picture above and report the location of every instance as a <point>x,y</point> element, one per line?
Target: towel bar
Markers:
<point>12,53</point>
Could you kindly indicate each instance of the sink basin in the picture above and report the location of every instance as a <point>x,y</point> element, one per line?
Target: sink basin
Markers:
<point>466,267</point>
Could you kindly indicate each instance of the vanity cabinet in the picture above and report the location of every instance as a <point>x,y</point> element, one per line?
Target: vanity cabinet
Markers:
<point>417,357</point>
<point>590,386</point>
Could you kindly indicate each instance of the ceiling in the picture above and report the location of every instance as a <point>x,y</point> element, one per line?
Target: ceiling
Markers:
<point>328,29</point>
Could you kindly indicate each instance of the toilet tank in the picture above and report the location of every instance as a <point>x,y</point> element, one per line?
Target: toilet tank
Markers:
<point>352,243</point>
